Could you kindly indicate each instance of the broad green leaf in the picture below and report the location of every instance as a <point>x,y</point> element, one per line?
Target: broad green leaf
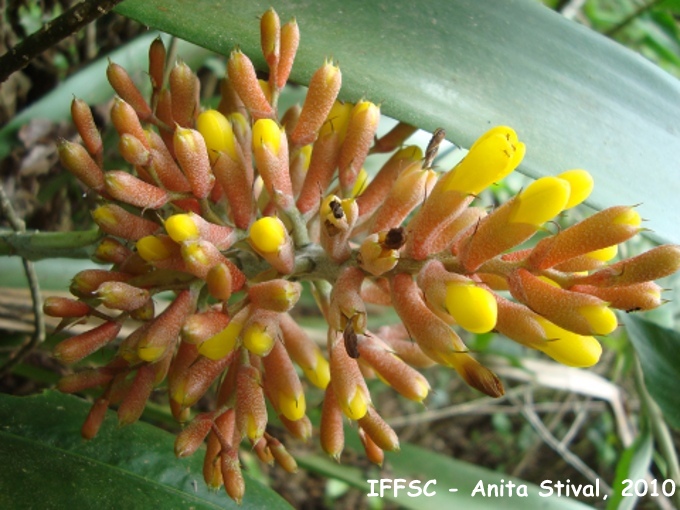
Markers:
<point>46,464</point>
<point>455,482</point>
<point>633,465</point>
<point>575,98</point>
<point>659,351</point>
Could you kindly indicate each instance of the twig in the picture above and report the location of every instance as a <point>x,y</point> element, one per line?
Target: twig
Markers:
<point>51,33</point>
<point>631,17</point>
<point>38,319</point>
<point>569,457</point>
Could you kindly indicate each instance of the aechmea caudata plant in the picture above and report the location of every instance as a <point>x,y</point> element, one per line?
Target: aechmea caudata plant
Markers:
<point>228,209</point>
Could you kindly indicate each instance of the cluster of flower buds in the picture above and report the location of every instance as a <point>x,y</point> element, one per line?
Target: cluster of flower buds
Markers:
<point>227,209</point>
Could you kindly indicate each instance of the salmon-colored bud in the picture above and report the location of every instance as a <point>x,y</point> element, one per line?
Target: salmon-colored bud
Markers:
<point>125,120</point>
<point>184,358</point>
<point>76,160</point>
<point>65,307</point>
<point>133,151</point>
<point>282,384</point>
<point>605,228</point>
<point>432,334</point>
<point>192,384</point>
<point>290,39</point>
<point>412,186</point>
<point>220,282</point>
<point>162,163</point>
<point>95,418</point>
<point>87,128</point>
<point>373,452</point>
<point>184,87</point>
<point>127,188</point>
<point>263,453</point>
<point>304,352</point>
<point>379,187</point>
<point>164,114</point>
<point>165,329</point>
<point>391,369</point>
<point>323,90</point>
<point>133,404</point>
<point>281,455</point>
<point>276,295</point>
<point>348,384</point>
<point>201,326</point>
<point>380,432</point>
<point>299,429</point>
<point>589,261</point>
<point>86,282</point>
<point>236,178</point>
<point>337,217</point>
<point>124,86</point>
<point>270,150</point>
<point>519,323</point>
<point>225,341</point>
<point>251,410</point>
<point>121,296</point>
<point>201,256</point>
<point>631,298</point>
<point>192,156</point>
<point>322,166</point>
<point>191,226</point>
<point>394,138</point>
<point>346,303</point>
<point>232,477</point>
<point>409,351</point>
<point>654,264</point>
<point>574,311</point>
<point>193,435</point>
<point>243,79</point>
<point>261,331</point>
<point>116,221</point>
<point>332,434</point>
<point>363,124</point>
<point>512,223</point>
<point>80,346</point>
<point>270,39</point>
<point>84,380</point>
<point>157,55</point>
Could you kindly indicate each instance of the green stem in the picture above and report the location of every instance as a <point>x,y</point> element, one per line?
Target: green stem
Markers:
<point>662,434</point>
<point>42,245</point>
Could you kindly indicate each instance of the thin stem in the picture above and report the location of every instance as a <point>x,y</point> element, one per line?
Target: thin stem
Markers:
<point>662,435</point>
<point>38,318</point>
<point>51,33</point>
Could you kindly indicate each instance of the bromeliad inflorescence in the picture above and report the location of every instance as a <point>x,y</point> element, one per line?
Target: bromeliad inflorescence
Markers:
<point>230,208</point>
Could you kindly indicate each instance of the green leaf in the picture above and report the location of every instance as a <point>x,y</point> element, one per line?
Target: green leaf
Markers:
<point>414,463</point>
<point>659,351</point>
<point>46,464</point>
<point>575,98</point>
<point>633,465</point>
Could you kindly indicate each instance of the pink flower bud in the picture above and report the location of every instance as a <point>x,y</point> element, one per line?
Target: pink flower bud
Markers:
<point>244,80</point>
<point>127,188</point>
<point>323,90</point>
<point>124,86</point>
<point>251,410</point>
<point>116,221</point>
<point>165,329</point>
<point>363,125</point>
<point>76,160</point>
<point>290,39</point>
<point>332,434</point>
<point>121,296</point>
<point>86,282</point>
<point>84,380</point>
<point>133,404</point>
<point>80,346</point>
<point>282,384</point>
<point>84,121</point>
<point>394,138</point>
<point>380,432</point>
<point>631,298</point>
<point>192,436</point>
<point>348,385</point>
<point>346,303</point>
<point>95,418</point>
<point>184,87</point>
<point>192,155</point>
<point>65,307</point>
<point>125,120</point>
